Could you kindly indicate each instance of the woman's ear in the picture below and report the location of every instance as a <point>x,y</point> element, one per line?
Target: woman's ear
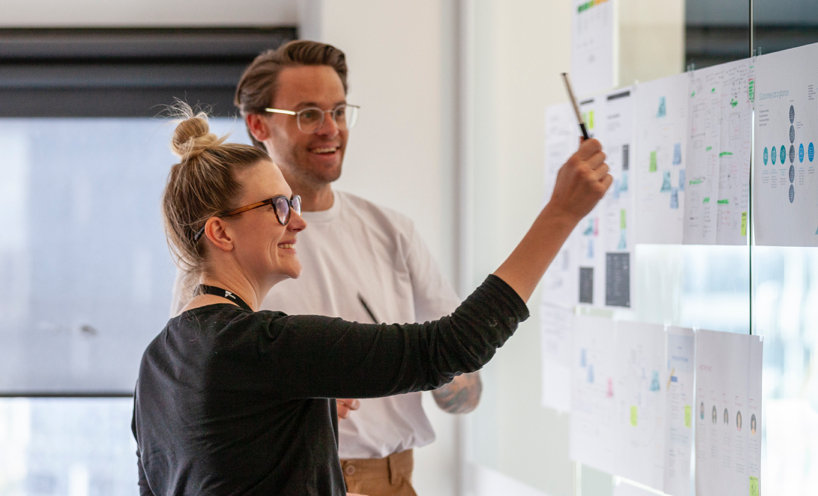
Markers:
<point>217,232</point>
<point>257,126</point>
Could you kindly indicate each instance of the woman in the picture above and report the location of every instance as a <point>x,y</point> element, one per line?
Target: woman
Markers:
<point>233,401</point>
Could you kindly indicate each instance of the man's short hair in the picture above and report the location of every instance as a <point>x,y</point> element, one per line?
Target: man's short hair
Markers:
<point>258,84</point>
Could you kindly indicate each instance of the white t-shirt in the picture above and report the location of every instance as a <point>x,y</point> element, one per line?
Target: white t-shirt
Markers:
<point>355,250</point>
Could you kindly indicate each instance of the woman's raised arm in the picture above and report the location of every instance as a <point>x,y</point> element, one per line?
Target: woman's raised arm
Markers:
<point>581,183</point>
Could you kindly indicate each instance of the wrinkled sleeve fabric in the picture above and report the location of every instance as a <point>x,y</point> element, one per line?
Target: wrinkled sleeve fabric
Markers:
<point>323,357</point>
<point>433,295</point>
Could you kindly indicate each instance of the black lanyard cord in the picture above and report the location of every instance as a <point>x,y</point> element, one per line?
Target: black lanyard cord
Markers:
<point>223,293</point>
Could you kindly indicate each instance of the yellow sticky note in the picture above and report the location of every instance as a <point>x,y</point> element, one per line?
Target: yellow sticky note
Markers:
<point>591,120</point>
<point>753,486</point>
<point>653,164</point>
<point>634,415</point>
<point>687,416</point>
<point>744,223</point>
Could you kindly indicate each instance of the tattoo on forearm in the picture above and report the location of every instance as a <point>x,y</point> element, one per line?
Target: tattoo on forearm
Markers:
<point>461,395</point>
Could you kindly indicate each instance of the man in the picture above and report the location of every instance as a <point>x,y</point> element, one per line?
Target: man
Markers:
<point>360,261</point>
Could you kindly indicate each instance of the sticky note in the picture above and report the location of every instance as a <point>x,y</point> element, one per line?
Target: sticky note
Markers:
<point>591,120</point>
<point>622,218</point>
<point>687,416</point>
<point>652,162</point>
<point>744,223</point>
<point>634,415</point>
<point>753,486</point>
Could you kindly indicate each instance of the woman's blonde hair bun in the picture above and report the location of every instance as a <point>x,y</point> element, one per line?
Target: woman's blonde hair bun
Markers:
<point>192,136</point>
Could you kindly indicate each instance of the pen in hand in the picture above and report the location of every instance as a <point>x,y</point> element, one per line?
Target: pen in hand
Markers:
<point>576,107</point>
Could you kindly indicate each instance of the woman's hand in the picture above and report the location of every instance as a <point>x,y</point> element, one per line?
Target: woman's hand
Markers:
<point>581,183</point>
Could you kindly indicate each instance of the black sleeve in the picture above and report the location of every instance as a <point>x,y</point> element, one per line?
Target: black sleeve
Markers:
<point>321,357</point>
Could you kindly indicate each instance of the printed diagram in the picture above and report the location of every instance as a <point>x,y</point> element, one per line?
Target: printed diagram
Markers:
<point>786,128</point>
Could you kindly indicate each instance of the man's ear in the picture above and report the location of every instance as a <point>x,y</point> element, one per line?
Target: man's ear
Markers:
<point>216,231</point>
<point>257,126</point>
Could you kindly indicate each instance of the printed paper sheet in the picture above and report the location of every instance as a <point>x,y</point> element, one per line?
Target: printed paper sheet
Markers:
<point>660,123</point>
<point>726,365</point>
<point>556,337</point>
<point>717,179</point>
<point>560,282</point>
<point>786,134</point>
<point>592,46</point>
<point>679,408</point>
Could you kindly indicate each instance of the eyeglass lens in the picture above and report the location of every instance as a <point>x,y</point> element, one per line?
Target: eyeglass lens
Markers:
<point>282,208</point>
<point>311,119</point>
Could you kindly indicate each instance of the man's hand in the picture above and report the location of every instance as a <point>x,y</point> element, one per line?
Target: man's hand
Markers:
<point>461,395</point>
<point>346,406</point>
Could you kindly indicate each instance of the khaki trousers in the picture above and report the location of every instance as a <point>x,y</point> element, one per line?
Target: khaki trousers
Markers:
<point>390,476</point>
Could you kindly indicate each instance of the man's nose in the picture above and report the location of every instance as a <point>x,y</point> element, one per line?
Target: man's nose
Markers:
<point>328,126</point>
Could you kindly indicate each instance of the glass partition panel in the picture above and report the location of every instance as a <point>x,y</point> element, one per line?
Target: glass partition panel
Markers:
<point>785,303</point>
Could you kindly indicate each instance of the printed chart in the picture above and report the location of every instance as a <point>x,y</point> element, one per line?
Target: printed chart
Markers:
<point>786,134</point>
<point>719,151</point>
<point>556,331</point>
<point>560,282</point>
<point>660,124</point>
<point>728,413</point>
<point>631,408</point>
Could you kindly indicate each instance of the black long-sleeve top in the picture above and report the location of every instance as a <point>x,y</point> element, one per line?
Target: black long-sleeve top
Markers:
<point>236,402</point>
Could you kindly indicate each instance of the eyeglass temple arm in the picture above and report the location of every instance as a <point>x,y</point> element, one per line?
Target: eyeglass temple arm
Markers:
<point>247,207</point>
<point>279,111</point>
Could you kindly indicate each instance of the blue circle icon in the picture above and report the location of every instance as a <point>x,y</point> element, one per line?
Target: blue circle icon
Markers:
<point>792,193</point>
<point>766,155</point>
<point>811,152</point>
<point>792,173</point>
<point>774,156</point>
<point>801,152</point>
<point>783,155</point>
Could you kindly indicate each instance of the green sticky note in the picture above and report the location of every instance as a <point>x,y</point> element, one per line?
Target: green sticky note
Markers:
<point>706,200</point>
<point>622,217</point>
<point>652,162</point>
<point>591,120</point>
<point>724,202</point>
<point>687,416</point>
<point>634,416</point>
<point>753,486</point>
<point>744,223</point>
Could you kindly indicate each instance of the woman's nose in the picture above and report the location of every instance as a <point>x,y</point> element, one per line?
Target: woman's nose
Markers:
<point>297,223</point>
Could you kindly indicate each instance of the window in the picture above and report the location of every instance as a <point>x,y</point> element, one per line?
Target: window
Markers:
<point>85,272</point>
